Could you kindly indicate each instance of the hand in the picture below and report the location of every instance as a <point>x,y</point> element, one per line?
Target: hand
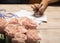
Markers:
<point>39,8</point>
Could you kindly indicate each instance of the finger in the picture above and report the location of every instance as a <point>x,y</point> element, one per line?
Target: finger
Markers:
<point>33,7</point>
<point>36,6</point>
<point>40,5</point>
<point>42,9</point>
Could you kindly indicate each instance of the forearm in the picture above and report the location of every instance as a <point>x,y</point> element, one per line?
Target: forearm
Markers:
<point>53,1</point>
<point>49,1</point>
<point>44,3</point>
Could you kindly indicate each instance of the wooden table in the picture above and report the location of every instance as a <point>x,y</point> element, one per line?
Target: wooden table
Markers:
<point>50,31</point>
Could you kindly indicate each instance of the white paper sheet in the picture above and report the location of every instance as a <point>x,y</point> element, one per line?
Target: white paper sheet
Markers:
<point>25,13</point>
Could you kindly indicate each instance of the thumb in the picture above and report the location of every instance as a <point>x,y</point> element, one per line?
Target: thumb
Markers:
<point>33,7</point>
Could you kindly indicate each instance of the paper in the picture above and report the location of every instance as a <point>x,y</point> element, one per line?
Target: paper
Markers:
<point>25,13</point>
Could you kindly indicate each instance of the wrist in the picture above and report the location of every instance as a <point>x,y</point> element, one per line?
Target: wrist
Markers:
<point>45,2</point>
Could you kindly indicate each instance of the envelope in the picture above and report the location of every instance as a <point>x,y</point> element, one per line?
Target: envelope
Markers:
<point>28,14</point>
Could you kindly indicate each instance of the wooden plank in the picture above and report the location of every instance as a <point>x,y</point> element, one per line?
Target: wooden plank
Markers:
<point>50,31</point>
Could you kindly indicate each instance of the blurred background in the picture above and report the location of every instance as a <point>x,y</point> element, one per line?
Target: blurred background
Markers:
<point>17,1</point>
<point>25,2</point>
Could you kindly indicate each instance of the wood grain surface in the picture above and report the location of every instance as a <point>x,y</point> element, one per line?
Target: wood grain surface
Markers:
<point>50,31</point>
